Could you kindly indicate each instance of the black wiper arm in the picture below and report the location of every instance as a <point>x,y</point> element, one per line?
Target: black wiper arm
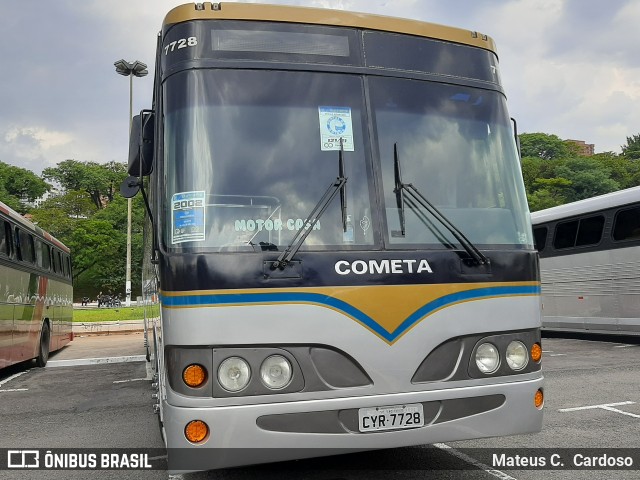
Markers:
<point>398,190</point>
<point>338,185</point>
<point>343,188</point>
<point>419,198</point>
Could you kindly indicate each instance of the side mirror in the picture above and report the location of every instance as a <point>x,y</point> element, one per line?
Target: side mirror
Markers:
<point>141,144</point>
<point>130,187</point>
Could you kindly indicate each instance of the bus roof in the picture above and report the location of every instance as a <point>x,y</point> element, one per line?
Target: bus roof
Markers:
<point>23,222</point>
<point>321,16</point>
<point>593,204</point>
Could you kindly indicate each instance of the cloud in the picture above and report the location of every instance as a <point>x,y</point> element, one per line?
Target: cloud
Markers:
<point>569,67</point>
<point>40,137</point>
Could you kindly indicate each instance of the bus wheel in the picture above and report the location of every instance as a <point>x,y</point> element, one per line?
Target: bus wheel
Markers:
<point>43,350</point>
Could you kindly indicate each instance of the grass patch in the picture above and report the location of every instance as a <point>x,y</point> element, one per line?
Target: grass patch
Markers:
<point>107,314</point>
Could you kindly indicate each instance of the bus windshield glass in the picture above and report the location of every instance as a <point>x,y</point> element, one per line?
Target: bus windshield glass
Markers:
<point>248,155</point>
<point>455,145</point>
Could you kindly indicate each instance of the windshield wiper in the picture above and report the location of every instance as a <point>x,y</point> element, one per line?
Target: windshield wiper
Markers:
<point>338,185</point>
<point>414,196</point>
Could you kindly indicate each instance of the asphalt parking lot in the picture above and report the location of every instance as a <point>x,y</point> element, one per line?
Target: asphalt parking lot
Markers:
<point>96,394</point>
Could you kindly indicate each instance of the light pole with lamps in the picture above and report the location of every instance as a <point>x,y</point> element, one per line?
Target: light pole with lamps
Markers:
<point>130,69</point>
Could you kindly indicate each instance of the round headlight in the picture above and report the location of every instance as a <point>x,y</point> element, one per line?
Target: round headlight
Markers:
<point>275,372</point>
<point>517,355</point>
<point>234,374</point>
<point>487,358</point>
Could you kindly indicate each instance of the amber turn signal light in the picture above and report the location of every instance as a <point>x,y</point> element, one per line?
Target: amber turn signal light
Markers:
<point>196,431</point>
<point>536,352</point>
<point>538,399</point>
<point>194,375</point>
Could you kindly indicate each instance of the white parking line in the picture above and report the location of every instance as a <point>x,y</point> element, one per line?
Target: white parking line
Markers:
<point>15,375</point>
<point>95,361</point>
<point>130,380</point>
<point>474,462</point>
<point>624,346</point>
<point>606,406</point>
<point>14,390</point>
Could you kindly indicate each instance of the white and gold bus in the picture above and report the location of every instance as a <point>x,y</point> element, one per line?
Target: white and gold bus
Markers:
<point>36,295</point>
<point>338,237</point>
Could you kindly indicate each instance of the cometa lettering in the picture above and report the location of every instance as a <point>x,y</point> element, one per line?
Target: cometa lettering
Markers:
<point>372,267</point>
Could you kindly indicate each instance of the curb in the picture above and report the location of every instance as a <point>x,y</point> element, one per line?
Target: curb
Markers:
<point>108,328</point>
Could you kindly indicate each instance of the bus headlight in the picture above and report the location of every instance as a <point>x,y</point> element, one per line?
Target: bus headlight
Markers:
<point>275,372</point>
<point>234,374</point>
<point>517,355</point>
<point>487,358</point>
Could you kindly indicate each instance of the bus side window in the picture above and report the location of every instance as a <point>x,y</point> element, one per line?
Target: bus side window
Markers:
<point>540,238</point>
<point>57,267</point>
<point>579,233</point>
<point>43,256</point>
<point>627,225</point>
<point>25,246</point>
<point>4,240</point>
<point>65,265</point>
<point>565,236</point>
<point>590,231</point>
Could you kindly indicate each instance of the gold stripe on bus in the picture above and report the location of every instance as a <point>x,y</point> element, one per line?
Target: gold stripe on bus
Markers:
<point>320,16</point>
<point>387,305</point>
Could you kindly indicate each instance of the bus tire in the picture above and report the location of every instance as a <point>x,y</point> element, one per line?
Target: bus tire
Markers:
<point>43,348</point>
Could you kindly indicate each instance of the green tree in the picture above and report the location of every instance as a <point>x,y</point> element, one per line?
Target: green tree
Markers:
<point>544,146</point>
<point>534,168</point>
<point>17,184</point>
<point>96,246</point>
<point>91,219</point>
<point>100,181</point>
<point>99,249</point>
<point>624,171</point>
<point>589,178</point>
<point>631,149</point>
<point>59,215</point>
<point>10,200</point>
<point>549,192</point>
<point>55,221</point>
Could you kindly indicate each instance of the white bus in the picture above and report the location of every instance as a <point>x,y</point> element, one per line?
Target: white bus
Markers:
<point>337,237</point>
<point>590,264</point>
<point>36,295</point>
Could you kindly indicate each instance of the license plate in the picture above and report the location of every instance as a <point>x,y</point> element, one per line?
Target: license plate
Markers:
<point>390,418</point>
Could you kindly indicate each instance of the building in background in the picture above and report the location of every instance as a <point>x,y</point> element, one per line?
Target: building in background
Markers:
<point>53,192</point>
<point>584,149</point>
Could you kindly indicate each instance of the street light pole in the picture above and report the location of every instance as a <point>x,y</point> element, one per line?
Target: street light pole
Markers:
<point>133,69</point>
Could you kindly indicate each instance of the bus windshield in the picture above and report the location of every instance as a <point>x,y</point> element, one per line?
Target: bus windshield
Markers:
<point>455,145</point>
<point>248,154</point>
<point>245,147</point>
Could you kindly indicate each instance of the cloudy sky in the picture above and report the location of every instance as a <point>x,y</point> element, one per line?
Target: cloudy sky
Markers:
<point>569,67</point>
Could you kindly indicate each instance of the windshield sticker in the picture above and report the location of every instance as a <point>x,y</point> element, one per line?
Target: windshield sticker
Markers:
<point>277,225</point>
<point>187,217</point>
<point>365,223</point>
<point>335,124</point>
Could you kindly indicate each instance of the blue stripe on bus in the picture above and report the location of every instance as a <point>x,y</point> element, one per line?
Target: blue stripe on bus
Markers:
<point>203,300</point>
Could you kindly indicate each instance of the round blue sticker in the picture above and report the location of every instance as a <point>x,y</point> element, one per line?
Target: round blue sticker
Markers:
<point>336,125</point>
